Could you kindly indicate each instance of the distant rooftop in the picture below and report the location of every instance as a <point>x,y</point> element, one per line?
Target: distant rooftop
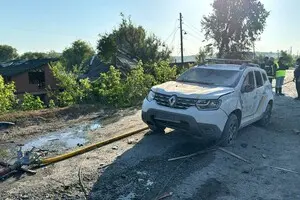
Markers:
<point>15,67</point>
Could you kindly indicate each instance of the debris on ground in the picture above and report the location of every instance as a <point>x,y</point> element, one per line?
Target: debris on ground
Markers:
<point>296,131</point>
<point>169,194</point>
<point>4,125</point>
<point>264,156</point>
<point>115,147</point>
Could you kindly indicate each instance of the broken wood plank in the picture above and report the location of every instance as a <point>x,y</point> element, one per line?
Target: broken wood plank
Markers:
<point>283,169</point>
<point>191,155</point>
<point>234,155</point>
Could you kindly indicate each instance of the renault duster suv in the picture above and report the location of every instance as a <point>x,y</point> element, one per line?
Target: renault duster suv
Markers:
<point>211,100</point>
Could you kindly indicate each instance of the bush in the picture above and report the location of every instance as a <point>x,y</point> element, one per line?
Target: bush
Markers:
<point>163,72</point>
<point>73,91</point>
<point>7,97</point>
<point>31,103</point>
<point>137,85</point>
<point>109,88</point>
<point>51,103</point>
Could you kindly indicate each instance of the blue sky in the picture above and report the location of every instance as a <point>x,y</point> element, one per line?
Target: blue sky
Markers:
<point>35,25</point>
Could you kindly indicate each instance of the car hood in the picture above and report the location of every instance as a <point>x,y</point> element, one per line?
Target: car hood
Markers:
<point>192,90</point>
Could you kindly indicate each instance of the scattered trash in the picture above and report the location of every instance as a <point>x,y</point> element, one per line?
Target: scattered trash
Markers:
<point>149,183</point>
<point>95,126</point>
<point>141,173</point>
<point>131,141</point>
<point>244,145</point>
<point>264,156</point>
<point>165,195</point>
<point>115,147</point>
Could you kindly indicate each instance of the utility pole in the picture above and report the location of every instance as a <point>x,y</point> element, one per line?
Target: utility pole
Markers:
<point>181,39</point>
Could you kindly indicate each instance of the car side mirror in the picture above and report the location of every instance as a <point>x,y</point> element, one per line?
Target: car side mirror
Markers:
<point>247,88</point>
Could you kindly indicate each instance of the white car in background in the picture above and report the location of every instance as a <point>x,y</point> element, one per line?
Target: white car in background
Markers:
<point>211,100</point>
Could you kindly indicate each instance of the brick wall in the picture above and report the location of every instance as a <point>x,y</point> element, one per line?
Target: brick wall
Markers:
<point>23,85</point>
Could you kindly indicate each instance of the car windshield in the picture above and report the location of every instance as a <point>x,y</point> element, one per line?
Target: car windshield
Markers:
<point>216,77</point>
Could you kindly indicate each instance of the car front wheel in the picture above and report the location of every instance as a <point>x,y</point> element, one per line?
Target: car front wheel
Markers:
<point>157,129</point>
<point>230,130</point>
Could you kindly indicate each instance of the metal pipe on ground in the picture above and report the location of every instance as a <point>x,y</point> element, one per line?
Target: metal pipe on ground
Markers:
<point>47,161</point>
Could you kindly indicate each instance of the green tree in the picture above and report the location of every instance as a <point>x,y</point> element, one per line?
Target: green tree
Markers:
<point>203,54</point>
<point>73,91</point>
<point>234,25</point>
<point>7,96</point>
<point>134,41</point>
<point>77,55</point>
<point>31,103</point>
<point>38,55</point>
<point>7,53</point>
<point>33,55</point>
<point>288,58</point>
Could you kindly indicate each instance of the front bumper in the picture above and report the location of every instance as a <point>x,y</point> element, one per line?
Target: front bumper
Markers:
<point>203,123</point>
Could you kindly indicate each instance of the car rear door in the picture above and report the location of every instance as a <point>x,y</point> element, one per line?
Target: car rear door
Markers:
<point>262,85</point>
<point>248,97</point>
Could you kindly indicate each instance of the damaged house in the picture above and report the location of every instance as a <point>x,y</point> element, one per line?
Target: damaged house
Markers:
<point>123,61</point>
<point>30,76</point>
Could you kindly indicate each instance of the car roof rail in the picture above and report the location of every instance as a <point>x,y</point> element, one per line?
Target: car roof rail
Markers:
<point>243,63</point>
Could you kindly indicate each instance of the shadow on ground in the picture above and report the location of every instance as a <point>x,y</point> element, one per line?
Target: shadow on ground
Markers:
<point>144,172</point>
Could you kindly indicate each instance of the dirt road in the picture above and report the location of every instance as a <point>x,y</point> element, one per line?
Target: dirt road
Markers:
<point>141,170</point>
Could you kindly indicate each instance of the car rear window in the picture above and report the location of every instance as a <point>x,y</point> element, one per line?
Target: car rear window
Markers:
<point>259,80</point>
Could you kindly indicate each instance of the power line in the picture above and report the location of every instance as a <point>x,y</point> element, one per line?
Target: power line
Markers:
<point>194,36</point>
<point>174,37</point>
<point>175,29</point>
<point>193,27</point>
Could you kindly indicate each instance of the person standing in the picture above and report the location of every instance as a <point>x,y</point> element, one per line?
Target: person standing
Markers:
<point>265,63</point>
<point>297,77</point>
<point>280,75</point>
<point>271,69</point>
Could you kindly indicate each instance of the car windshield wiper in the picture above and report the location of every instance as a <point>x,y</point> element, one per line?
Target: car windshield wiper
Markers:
<point>197,82</point>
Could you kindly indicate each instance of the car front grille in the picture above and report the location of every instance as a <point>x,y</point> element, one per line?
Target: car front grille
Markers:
<point>181,103</point>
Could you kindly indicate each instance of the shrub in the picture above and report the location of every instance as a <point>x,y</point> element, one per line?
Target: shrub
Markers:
<point>72,90</point>
<point>51,103</point>
<point>31,103</point>
<point>7,97</point>
<point>163,72</point>
<point>137,85</point>
<point>109,88</point>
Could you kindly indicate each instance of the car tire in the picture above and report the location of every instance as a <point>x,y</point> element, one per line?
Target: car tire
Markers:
<point>230,131</point>
<point>157,129</point>
<point>266,119</point>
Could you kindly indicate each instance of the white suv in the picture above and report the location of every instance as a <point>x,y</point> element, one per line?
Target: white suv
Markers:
<point>211,100</point>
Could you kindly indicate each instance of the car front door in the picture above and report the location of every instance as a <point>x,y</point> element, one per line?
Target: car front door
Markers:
<point>248,97</point>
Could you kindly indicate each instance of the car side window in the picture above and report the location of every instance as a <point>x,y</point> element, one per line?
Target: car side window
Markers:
<point>265,77</point>
<point>258,78</point>
<point>249,82</point>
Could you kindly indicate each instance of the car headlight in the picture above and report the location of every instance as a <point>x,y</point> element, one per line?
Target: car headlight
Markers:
<point>150,96</point>
<point>213,104</point>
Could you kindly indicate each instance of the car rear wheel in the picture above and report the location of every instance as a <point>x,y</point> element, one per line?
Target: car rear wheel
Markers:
<point>157,129</point>
<point>230,130</point>
<point>266,119</point>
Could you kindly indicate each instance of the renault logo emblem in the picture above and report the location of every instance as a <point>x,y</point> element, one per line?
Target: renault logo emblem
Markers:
<point>172,100</point>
